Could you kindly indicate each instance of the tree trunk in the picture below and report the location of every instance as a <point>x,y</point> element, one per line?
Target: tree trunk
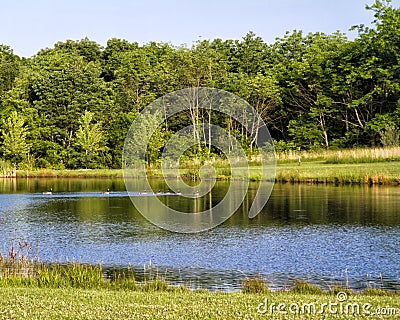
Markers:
<point>14,173</point>
<point>324,132</point>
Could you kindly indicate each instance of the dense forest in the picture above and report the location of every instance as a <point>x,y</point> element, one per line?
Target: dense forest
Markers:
<point>71,106</point>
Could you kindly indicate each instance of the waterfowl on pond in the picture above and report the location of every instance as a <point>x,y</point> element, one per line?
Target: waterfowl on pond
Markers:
<point>48,192</point>
<point>106,192</point>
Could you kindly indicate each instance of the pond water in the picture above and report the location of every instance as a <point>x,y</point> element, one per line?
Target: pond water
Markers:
<point>328,235</point>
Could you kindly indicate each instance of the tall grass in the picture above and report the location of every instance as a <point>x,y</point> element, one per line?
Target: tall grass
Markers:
<point>343,156</point>
<point>303,287</point>
<point>81,173</point>
<point>355,173</point>
<point>21,266</point>
<point>19,261</point>
<point>73,275</point>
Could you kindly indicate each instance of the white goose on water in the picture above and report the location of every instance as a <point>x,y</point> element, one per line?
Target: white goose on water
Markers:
<point>48,192</point>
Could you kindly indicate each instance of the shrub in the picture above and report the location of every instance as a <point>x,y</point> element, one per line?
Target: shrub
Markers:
<point>254,285</point>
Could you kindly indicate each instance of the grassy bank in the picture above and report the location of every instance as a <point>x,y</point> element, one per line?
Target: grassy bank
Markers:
<point>21,266</point>
<point>308,172</point>
<point>79,173</point>
<point>343,156</point>
<point>369,166</point>
<point>36,303</point>
<point>30,289</point>
<point>322,172</point>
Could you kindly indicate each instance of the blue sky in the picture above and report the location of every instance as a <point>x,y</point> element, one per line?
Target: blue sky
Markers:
<point>28,26</point>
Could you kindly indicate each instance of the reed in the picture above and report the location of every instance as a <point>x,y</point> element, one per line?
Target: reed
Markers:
<point>21,267</point>
<point>19,261</point>
<point>74,275</point>
<point>342,156</point>
<point>356,173</point>
<point>303,287</point>
<point>52,173</point>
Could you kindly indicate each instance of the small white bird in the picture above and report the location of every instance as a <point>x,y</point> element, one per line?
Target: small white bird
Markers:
<point>48,192</point>
<point>106,192</point>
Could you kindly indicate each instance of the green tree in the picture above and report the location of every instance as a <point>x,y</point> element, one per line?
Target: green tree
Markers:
<point>9,68</point>
<point>372,67</point>
<point>390,137</point>
<point>14,133</point>
<point>61,86</point>
<point>90,136</point>
<point>144,139</point>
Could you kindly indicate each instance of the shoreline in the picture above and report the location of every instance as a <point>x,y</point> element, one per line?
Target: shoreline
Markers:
<point>27,272</point>
<point>311,172</point>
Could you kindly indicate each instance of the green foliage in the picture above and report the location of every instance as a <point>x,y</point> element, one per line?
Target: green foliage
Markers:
<point>304,134</point>
<point>9,68</point>
<point>90,136</point>
<point>14,133</point>
<point>390,137</point>
<point>316,90</point>
<point>147,141</point>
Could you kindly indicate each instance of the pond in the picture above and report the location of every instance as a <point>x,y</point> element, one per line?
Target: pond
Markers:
<point>328,235</point>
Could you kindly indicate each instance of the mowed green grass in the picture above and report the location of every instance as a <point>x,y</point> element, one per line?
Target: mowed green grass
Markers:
<point>69,303</point>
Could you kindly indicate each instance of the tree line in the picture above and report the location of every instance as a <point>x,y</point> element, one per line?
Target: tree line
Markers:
<point>71,106</point>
